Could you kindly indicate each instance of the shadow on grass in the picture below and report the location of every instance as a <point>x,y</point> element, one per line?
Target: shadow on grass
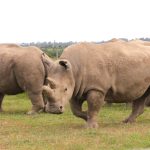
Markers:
<point>13,112</point>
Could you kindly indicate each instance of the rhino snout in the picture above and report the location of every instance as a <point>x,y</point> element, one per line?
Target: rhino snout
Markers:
<point>54,109</point>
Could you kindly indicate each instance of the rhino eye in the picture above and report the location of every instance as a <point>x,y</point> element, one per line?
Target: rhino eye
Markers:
<point>65,89</point>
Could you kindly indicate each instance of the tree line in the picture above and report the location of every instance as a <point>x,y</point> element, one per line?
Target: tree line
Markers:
<point>54,49</point>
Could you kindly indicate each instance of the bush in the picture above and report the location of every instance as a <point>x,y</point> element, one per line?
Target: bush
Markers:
<point>53,52</point>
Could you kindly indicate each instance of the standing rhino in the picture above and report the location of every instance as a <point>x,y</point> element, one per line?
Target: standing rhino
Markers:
<point>22,69</point>
<point>113,71</point>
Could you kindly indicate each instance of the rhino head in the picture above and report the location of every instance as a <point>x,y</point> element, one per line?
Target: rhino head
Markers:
<point>59,85</point>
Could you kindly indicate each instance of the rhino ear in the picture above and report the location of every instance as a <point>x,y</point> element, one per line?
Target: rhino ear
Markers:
<point>65,64</point>
<point>51,83</point>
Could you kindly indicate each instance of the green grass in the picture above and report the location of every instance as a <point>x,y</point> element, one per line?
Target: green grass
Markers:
<point>66,132</point>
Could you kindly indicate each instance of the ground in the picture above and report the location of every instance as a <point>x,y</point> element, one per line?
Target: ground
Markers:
<point>66,132</point>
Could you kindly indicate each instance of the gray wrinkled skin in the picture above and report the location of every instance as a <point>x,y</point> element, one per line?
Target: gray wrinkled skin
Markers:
<point>22,69</point>
<point>116,71</point>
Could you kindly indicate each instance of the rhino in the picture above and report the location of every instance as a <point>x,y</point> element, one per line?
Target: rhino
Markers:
<point>22,69</point>
<point>114,71</point>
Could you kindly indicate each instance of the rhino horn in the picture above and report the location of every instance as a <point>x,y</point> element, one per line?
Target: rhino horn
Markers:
<point>51,82</point>
<point>47,90</point>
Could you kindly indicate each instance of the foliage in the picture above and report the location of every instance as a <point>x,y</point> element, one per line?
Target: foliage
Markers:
<point>53,52</point>
<point>66,132</point>
<point>53,49</point>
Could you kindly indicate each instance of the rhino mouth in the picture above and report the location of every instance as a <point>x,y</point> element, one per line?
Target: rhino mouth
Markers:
<point>52,110</point>
<point>57,113</point>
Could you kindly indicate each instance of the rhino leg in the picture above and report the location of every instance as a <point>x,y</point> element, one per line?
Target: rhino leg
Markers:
<point>147,103</point>
<point>137,109</point>
<point>76,107</point>
<point>37,103</point>
<point>1,99</point>
<point>95,101</point>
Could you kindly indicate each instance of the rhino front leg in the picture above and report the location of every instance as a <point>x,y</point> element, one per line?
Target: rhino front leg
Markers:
<point>76,107</point>
<point>137,109</point>
<point>37,103</point>
<point>1,100</point>
<point>95,100</point>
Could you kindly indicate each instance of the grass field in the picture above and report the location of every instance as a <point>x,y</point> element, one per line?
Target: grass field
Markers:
<point>66,132</point>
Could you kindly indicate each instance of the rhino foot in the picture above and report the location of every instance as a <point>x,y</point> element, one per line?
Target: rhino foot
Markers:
<point>92,124</point>
<point>41,110</point>
<point>128,120</point>
<point>31,112</point>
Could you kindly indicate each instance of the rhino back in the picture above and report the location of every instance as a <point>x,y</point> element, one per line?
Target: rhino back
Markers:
<point>18,66</point>
<point>121,67</point>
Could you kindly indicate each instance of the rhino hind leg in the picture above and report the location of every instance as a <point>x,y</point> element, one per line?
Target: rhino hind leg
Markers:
<point>1,100</point>
<point>95,101</point>
<point>37,103</point>
<point>137,109</point>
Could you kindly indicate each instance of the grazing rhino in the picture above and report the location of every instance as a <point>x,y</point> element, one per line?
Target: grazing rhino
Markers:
<point>22,69</point>
<point>115,71</point>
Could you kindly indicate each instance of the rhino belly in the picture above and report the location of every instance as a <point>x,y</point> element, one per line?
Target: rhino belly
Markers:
<point>126,95</point>
<point>10,89</point>
<point>9,85</point>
